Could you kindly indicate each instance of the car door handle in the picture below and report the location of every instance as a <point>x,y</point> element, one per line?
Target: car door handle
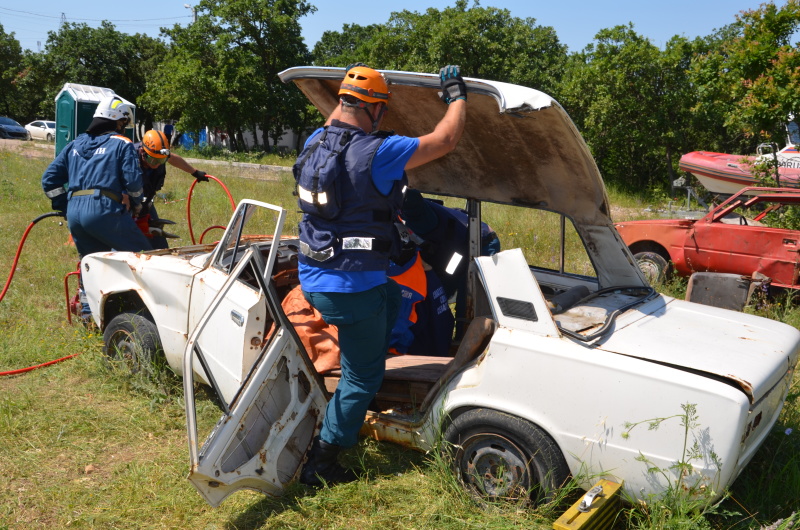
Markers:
<point>237,318</point>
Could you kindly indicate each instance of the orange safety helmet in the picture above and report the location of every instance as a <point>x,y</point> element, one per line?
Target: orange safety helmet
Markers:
<point>365,84</point>
<point>156,144</point>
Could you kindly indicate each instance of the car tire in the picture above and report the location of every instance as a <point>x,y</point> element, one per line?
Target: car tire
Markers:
<point>497,456</point>
<point>49,137</point>
<point>132,338</point>
<point>654,267</point>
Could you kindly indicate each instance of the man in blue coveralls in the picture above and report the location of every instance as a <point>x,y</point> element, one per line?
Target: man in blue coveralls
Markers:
<point>95,180</point>
<point>350,179</point>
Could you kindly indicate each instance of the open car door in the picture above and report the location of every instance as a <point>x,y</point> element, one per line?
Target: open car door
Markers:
<point>267,427</point>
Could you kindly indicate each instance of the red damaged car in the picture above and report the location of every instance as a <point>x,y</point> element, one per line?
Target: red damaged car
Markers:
<point>738,236</point>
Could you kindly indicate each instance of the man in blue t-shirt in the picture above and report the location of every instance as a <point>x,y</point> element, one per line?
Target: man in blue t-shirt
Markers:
<point>350,180</point>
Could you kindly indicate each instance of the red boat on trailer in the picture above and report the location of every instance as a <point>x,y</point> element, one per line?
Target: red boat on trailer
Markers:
<point>727,174</point>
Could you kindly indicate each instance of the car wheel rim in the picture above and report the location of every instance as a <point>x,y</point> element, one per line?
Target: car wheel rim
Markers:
<point>125,349</point>
<point>494,466</point>
<point>651,270</point>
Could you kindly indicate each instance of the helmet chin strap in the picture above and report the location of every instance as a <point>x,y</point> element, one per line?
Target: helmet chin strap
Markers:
<point>377,120</point>
<point>371,119</point>
<point>365,106</point>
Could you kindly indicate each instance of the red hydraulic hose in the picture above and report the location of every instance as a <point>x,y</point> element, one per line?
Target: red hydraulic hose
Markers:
<point>19,249</point>
<point>207,230</point>
<point>28,369</point>
<point>8,283</point>
<point>189,204</point>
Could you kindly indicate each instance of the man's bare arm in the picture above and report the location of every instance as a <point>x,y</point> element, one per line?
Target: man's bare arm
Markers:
<point>444,137</point>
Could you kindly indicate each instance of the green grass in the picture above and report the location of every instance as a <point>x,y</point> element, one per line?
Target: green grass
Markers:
<point>85,445</point>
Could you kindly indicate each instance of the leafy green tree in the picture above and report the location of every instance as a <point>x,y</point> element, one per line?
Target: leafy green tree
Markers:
<point>101,56</point>
<point>349,46</point>
<point>223,69</point>
<point>10,59</point>
<point>486,42</point>
<point>191,83</point>
<point>632,103</point>
<point>33,100</point>
<point>753,77</point>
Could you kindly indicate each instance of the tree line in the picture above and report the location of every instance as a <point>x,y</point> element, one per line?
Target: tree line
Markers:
<point>639,107</point>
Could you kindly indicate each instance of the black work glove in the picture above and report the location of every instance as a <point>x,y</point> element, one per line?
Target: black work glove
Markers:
<point>59,204</point>
<point>453,86</point>
<point>349,66</point>
<point>200,175</point>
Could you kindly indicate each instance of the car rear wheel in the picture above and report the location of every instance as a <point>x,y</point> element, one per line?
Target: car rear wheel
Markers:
<point>501,457</point>
<point>655,268</point>
<point>49,137</point>
<point>132,339</point>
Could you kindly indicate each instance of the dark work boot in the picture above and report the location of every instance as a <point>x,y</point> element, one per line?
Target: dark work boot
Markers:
<point>323,466</point>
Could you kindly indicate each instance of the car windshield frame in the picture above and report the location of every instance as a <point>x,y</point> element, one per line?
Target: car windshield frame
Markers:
<point>8,121</point>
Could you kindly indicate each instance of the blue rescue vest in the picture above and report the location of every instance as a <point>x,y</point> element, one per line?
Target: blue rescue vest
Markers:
<point>348,224</point>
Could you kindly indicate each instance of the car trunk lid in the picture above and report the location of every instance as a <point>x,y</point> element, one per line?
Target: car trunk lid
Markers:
<point>519,145</point>
<point>738,348</point>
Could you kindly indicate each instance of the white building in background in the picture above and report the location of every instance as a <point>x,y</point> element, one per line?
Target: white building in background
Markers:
<point>219,138</point>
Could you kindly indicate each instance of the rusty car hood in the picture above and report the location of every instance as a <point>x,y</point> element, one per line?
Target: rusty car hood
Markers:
<point>736,347</point>
<point>519,145</point>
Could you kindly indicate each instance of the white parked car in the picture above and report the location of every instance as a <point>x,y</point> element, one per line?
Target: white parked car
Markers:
<point>41,130</point>
<point>562,354</point>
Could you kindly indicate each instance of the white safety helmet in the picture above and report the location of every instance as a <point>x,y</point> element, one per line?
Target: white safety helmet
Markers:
<point>113,108</point>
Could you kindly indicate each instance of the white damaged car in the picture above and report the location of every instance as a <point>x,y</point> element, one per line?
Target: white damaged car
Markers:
<point>567,345</point>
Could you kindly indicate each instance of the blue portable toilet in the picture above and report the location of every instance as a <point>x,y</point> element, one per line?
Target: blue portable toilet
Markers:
<point>75,106</point>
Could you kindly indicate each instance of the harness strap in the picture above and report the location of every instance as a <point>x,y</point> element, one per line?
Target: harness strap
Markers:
<point>315,179</point>
<point>348,243</point>
<point>301,163</point>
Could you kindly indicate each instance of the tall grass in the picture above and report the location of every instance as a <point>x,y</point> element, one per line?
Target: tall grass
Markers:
<point>84,445</point>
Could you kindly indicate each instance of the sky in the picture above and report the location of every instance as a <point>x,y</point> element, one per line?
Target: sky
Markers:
<point>576,22</point>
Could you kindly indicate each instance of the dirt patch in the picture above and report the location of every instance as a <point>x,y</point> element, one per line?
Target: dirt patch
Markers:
<point>29,149</point>
<point>32,149</point>
<point>619,213</point>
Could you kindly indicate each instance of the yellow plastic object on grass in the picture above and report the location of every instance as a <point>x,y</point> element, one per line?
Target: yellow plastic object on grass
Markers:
<point>596,510</point>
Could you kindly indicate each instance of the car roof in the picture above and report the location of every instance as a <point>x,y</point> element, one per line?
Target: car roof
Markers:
<point>519,145</point>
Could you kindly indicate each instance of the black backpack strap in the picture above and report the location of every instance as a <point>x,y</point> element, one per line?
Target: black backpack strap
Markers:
<point>300,163</point>
<point>333,154</point>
